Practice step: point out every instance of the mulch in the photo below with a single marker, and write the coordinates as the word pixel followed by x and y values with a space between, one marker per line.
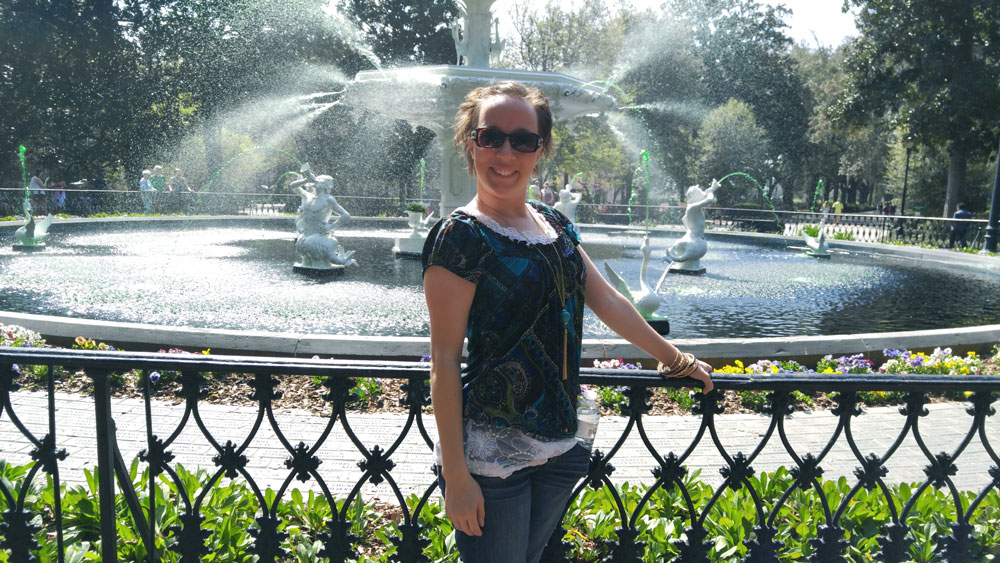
pixel 300 392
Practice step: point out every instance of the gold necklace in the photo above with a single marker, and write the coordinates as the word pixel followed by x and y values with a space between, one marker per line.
pixel 559 282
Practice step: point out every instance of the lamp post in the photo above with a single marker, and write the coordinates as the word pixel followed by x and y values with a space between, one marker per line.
pixel 990 242
pixel 910 143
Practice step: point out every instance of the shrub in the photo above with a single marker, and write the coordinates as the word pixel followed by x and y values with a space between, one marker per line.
pixel 811 230
pixel 613 397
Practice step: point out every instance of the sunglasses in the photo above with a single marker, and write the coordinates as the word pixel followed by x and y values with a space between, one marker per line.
pixel 493 138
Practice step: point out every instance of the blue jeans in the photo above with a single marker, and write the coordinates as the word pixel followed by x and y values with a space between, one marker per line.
pixel 522 510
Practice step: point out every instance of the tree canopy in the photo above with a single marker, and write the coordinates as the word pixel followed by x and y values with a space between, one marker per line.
pixel 935 65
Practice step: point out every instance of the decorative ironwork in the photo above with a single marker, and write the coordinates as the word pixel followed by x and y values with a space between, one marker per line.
pixel 337 534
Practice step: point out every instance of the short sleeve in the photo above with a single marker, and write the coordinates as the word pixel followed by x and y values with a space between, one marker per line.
pixel 567 225
pixel 455 245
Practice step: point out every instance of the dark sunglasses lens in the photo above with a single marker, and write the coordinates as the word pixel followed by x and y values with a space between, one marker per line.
pixel 523 141
pixel 490 137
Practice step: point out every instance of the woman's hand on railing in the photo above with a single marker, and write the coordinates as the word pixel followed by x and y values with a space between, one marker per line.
pixel 704 374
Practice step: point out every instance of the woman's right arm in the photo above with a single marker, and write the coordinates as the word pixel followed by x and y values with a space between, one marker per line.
pixel 449 299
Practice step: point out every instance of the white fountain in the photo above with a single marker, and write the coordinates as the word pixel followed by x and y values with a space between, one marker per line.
pixel 430 95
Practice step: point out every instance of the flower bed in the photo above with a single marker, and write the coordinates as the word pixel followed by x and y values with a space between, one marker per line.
pixel 381 395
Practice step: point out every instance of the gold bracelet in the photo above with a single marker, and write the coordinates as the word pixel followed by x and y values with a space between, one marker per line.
pixel 683 368
pixel 679 360
pixel 688 370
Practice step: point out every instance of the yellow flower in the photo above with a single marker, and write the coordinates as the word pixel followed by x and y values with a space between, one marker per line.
pixel 80 341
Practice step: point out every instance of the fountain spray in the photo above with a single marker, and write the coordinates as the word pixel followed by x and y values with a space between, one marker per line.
pixel 819 190
pixel 24 169
pixel 644 158
pixel 423 170
pixel 24 179
pixel 767 198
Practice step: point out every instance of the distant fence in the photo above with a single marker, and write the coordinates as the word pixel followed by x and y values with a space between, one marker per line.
pixel 863 227
pixel 115 202
pixel 887 229
pixel 21 529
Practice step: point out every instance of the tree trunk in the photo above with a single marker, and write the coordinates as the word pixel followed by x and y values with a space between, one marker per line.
pixel 957 164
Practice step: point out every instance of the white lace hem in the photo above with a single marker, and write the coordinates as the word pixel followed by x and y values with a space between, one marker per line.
pixel 492 452
pixel 548 237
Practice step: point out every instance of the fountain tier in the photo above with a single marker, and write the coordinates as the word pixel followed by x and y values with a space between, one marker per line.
pixel 429 96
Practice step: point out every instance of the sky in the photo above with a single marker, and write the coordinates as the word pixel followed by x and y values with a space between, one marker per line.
pixel 810 19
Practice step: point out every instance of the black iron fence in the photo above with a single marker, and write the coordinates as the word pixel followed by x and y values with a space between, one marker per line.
pixel 188 535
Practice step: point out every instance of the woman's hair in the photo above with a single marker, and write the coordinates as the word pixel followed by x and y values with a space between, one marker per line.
pixel 147 173
pixel 467 117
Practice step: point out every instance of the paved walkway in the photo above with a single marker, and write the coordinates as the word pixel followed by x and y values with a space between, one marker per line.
pixel 945 426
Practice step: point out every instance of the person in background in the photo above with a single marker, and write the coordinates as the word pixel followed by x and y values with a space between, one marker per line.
pixel 959 228
pixel 39 203
pixel 58 195
pixel 838 208
pixel 146 191
pixel 158 180
pixel 178 187
pixel 548 196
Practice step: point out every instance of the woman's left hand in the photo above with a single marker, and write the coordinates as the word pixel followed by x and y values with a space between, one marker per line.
pixel 704 374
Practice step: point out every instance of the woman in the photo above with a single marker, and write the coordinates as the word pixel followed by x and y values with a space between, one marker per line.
pixel 513 275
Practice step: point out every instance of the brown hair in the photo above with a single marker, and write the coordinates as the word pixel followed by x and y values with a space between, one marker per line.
pixel 467 117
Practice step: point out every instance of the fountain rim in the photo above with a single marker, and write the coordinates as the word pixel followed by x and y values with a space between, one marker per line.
pixel 139 336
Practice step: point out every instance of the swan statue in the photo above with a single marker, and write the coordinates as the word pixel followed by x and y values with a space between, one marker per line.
pixel 818 245
pixel 646 301
pixel 32 234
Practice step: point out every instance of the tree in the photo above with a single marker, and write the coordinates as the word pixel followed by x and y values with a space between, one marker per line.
pixel 66 75
pixel 406 32
pixel 662 74
pixel 935 64
pixel 731 141
pixel 745 54
pixel 584 41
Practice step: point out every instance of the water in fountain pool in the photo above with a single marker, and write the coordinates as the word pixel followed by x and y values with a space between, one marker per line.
pixel 241 278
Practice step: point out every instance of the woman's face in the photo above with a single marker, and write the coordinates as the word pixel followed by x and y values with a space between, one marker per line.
pixel 504 172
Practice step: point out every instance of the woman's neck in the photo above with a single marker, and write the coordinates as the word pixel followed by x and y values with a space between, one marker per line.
pixel 502 209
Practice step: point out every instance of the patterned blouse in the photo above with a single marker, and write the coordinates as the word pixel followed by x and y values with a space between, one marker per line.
pixel 514 373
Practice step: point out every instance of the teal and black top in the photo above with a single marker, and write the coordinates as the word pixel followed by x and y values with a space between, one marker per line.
pixel 514 372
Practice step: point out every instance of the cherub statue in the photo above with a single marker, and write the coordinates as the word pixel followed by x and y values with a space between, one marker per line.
pixel 568 200
pixel 316 246
pixel 685 254
pixel 461 40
